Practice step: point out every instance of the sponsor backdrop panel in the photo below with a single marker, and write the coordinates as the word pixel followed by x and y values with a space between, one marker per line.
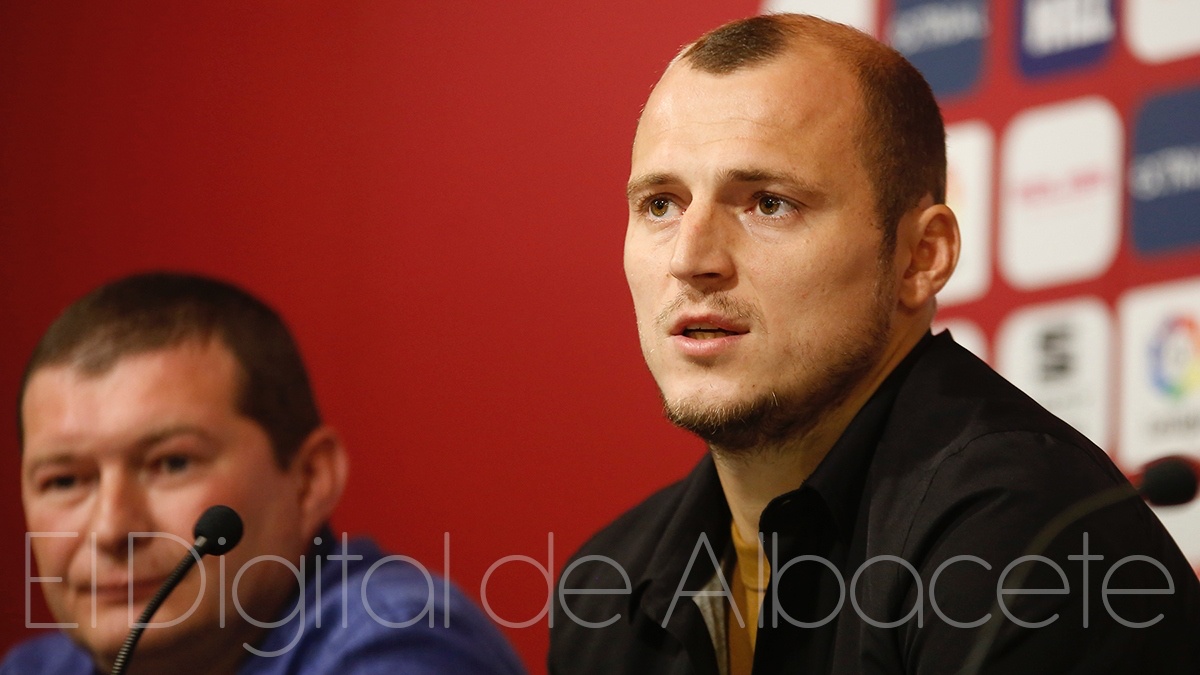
pixel 433 194
pixel 1092 303
pixel 1073 138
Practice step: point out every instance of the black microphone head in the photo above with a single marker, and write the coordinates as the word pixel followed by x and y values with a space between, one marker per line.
pixel 221 528
pixel 1169 481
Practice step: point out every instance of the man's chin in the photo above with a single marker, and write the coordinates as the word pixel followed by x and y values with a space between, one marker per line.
pixel 729 425
pixel 112 627
pixel 102 642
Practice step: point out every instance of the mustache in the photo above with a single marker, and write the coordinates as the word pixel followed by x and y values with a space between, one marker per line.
pixel 716 303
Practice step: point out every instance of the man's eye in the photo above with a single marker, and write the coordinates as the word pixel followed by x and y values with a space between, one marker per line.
pixel 60 482
pixel 659 206
pixel 173 463
pixel 770 205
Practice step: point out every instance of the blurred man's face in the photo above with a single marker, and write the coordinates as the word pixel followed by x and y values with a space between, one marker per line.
pixel 753 252
pixel 146 447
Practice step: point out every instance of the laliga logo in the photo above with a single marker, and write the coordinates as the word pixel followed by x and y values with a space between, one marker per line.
pixel 1175 357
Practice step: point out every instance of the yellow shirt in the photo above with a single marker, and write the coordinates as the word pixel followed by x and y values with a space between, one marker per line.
pixel 750 577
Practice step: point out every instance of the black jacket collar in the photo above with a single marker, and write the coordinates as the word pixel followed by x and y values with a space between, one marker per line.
pixel 832 494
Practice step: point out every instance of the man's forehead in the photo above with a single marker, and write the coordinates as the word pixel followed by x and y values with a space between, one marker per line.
pixel 805 78
pixel 191 364
pixel 144 397
pixel 92 361
pixel 793 115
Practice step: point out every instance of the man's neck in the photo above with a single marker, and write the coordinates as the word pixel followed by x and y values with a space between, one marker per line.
pixel 751 478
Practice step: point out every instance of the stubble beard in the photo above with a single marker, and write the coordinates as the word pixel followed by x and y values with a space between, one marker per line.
pixel 790 411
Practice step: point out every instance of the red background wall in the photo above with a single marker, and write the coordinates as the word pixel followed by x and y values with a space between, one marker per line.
pixel 432 195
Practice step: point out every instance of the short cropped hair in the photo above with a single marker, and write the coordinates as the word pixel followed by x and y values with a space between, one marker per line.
pixel 160 310
pixel 902 137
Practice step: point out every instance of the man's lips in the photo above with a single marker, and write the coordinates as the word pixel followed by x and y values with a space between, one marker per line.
pixel 119 589
pixel 707 327
pixel 706 336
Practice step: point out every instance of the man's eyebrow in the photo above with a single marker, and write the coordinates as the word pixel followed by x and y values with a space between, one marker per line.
pixel 57 459
pixel 752 176
pixel 166 433
pixel 651 180
pixel 646 181
pixel 764 176
pixel 142 444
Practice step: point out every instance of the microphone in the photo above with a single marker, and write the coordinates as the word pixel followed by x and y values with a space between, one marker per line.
pixel 1169 481
pixel 217 531
pixel 1166 481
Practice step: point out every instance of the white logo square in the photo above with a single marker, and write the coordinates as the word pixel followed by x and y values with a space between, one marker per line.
pixel 1162 30
pixel 1160 370
pixel 1060 196
pixel 1061 355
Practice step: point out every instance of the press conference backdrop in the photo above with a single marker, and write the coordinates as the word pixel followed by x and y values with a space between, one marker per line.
pixel 1073 135
pixel 432 193
pixel 1073 141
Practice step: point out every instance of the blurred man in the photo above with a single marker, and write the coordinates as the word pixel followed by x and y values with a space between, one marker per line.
pixel 155 397
pixel 868 484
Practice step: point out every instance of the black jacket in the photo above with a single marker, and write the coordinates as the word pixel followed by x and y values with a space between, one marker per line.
pixel 888 556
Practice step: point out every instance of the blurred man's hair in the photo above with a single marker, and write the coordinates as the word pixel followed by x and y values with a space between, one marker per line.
pixel 161 310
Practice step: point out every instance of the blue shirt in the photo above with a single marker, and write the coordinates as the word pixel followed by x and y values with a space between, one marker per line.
pixel 376 633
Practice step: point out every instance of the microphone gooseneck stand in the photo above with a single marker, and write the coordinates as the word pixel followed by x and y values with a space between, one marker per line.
pixel 217 531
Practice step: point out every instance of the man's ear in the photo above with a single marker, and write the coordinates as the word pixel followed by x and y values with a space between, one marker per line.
pixel 321 467
pixel 930 242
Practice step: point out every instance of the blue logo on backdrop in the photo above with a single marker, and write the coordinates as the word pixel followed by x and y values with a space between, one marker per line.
pixel 944 40
pixel 1164 175
pixel 1054 35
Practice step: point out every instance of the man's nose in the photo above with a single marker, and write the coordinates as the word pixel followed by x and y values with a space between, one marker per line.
pixel 702 255
pixel 120 508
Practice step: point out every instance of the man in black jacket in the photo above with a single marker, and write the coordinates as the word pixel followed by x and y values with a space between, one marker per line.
pixel 873 493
